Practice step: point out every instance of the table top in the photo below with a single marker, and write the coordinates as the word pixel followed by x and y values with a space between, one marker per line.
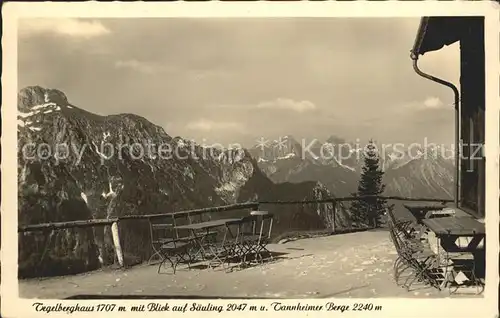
pixel 208 224
pixel 424 206
pixel 462 226
pixel 259 213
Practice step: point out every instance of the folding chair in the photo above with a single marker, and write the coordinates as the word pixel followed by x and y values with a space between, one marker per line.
pixel 167 244
pixel 206 237
pixel 463 273
pixel 245 240
pixel 264 233
pixel 413 255
pixel 158 229
pixel 228 248
pixel 404 227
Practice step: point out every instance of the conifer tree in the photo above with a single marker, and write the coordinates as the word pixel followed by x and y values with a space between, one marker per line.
pixel 370 211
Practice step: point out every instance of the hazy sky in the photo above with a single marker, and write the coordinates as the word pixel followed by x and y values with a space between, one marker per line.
pixel 235 80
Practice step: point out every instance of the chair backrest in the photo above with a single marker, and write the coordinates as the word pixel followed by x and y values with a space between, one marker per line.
pixel 236 237
pixel 264 222
pixel 394 237
pixel 263 226
pixel 399 226
pixel 270 219
pixel 246 226
pixel 161 229
pixel 395 241
pixel 198 217
pixel 391 215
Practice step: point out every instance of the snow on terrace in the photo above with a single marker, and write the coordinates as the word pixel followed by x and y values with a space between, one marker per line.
pixel 345 265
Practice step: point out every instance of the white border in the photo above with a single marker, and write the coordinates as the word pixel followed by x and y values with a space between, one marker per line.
pixel 13 306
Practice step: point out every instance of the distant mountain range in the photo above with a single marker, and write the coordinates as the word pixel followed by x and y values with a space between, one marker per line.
pixel 416 172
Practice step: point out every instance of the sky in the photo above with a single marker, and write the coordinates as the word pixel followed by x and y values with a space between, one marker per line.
pixel 235 80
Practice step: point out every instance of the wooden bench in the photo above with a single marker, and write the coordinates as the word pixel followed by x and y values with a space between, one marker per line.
pixel 462 258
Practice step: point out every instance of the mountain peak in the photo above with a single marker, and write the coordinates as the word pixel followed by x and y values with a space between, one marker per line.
pixel 335 140
pixel 36 95
pixel 289 137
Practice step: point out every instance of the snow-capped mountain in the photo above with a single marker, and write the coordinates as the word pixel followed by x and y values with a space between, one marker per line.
pixel 414 172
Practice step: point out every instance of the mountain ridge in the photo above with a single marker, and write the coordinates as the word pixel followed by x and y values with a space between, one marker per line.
pixel 427 174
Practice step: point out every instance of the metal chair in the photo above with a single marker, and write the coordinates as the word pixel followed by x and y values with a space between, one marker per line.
pixel 408 228
pixel 207 237
pixel 167 244
pixel 246 239
pixel 412 254
pixel 158 228
pixel 264 233
pixel 228 248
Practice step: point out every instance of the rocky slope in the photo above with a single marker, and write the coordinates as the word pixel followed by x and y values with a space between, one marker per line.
pixel 430 177
pixel 75 165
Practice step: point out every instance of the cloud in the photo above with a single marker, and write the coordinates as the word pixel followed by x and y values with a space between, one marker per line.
pixel 428 104
pixel 209 125
pixel 148 67
pixel 288 104
pixel 75 28
pixel 433 102
pixel 138 66
pixel 189 57
pixel 206 74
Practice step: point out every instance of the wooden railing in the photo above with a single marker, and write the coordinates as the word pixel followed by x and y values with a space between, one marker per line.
pixel 114 221
pixel 353 198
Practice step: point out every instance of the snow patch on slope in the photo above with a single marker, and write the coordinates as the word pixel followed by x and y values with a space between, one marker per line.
pixel 44 109
pixel 235 178
pixel 84 197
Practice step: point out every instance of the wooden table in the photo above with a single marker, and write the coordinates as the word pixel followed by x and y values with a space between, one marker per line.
pixel 207 225
pixel 422 210
pixel 448 230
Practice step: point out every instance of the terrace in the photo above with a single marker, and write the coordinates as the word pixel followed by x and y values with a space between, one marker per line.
pixel 356 262
pixel 344 265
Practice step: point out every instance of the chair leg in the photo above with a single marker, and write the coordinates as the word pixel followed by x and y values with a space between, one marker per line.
pixel 164 259
pixel 186 257
pixel 246 253
pixel 174 267
pixel 411 278
pixel 401 265
pixel 266 251
pixel 159 266
pixel 473 280
pixel 179 256
pixel 259 258
pixel 242 255
pixel 397 262
pixel 403 268
pixel 424 268
pixel 419 272
pixel 152 256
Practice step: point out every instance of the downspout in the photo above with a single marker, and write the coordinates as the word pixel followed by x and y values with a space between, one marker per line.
pixel 414 57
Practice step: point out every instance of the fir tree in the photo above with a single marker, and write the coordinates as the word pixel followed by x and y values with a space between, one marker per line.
pixel 370 211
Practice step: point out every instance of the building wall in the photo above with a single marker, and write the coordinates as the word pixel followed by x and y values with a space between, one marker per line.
pixel 472 86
